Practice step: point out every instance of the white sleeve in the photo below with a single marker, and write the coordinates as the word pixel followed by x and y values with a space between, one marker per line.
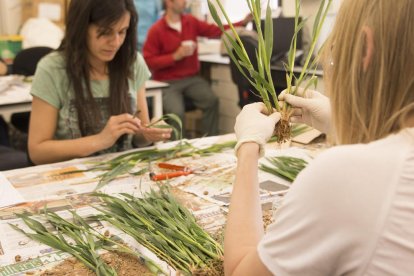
pixel 315 228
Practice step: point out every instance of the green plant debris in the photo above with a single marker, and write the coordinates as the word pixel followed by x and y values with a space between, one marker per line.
pixel 125 163
pixel 79 239
pixel 284 166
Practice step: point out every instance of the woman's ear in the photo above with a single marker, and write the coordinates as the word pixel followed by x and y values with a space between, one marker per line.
pixel 369 47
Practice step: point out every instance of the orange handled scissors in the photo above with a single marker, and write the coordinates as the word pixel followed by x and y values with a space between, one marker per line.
pixel 178 171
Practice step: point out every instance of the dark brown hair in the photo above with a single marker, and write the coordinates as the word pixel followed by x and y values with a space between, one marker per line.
pixel 74 48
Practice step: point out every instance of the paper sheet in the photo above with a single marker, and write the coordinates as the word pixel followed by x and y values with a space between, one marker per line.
pixel 307 137
pixel 8 194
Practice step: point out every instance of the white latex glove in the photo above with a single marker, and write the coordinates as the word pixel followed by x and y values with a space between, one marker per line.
pixel 311 108
pixel 253 125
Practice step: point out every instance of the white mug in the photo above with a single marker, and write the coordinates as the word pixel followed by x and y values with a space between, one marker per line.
pixel 189 43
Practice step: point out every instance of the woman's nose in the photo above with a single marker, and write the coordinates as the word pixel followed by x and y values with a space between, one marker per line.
pixel 116 40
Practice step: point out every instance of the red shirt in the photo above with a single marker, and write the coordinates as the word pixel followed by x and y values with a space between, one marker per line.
pixel 162 41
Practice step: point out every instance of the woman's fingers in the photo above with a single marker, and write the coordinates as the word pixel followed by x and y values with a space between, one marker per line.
pixel 296 119
pixel 129 125
pixel 297 112
pixel 157 134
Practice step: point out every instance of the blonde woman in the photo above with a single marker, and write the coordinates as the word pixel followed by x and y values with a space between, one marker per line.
pixel 351 211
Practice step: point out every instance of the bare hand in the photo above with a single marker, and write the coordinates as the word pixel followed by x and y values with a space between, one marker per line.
pixel 117 126
pixel 155 134
pixel 3 68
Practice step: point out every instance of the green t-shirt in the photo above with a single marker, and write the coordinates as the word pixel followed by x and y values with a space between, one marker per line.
pixel 51 84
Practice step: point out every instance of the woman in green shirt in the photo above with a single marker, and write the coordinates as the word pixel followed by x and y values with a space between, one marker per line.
pixel 85 93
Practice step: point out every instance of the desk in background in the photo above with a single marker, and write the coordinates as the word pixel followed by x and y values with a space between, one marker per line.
pixel 15 96
pixel 154 91
pixel 225 60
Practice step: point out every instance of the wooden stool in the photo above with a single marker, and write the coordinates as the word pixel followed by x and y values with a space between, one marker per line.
pixel 191 122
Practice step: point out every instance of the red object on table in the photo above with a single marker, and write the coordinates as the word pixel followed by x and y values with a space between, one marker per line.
pixel 178 171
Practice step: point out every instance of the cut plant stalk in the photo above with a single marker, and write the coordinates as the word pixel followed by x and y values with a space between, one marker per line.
pixel 298 129
pixel 261 79
pixel 284 166
pixel 165 227
pixel 80 240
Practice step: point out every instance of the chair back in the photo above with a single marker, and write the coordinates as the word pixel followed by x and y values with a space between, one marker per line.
pixel 26 60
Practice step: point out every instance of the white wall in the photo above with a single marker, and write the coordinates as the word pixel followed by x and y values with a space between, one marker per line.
pixel 308 10
pixel 236 9
pixel 10 16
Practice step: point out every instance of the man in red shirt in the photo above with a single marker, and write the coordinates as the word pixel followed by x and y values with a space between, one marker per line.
pixel 171 54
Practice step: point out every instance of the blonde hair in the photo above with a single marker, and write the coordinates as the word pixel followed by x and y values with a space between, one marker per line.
pixel 370 104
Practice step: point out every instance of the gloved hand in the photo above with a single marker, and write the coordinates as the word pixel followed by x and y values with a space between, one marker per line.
pixel 310 107
pixel 253 125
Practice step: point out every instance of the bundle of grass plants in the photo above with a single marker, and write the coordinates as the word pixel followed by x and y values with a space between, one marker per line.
pixel 78 239
pixel 161 224
pixel 284 166
pixel 261 78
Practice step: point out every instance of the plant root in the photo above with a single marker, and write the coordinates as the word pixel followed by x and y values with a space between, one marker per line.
pixel 214 268
pixel 283 130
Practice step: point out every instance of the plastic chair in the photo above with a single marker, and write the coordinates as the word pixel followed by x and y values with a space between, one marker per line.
pixel 10 158
pixel 26 60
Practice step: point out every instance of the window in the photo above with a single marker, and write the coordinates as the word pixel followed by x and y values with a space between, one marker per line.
pixel 236 9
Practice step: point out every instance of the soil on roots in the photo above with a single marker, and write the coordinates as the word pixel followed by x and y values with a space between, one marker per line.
pixel 283 129
pixel 214 268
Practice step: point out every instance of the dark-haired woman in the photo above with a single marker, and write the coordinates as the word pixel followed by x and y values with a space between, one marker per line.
pixel 85 93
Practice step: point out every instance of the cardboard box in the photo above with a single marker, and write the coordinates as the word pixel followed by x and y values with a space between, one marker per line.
pixel 55 10
pixel 10 45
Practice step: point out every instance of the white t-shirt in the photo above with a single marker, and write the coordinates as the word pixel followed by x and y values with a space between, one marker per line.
pixel 350 212
pixel 175 25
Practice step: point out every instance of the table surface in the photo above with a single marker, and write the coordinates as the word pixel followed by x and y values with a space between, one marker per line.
pixel 205 194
